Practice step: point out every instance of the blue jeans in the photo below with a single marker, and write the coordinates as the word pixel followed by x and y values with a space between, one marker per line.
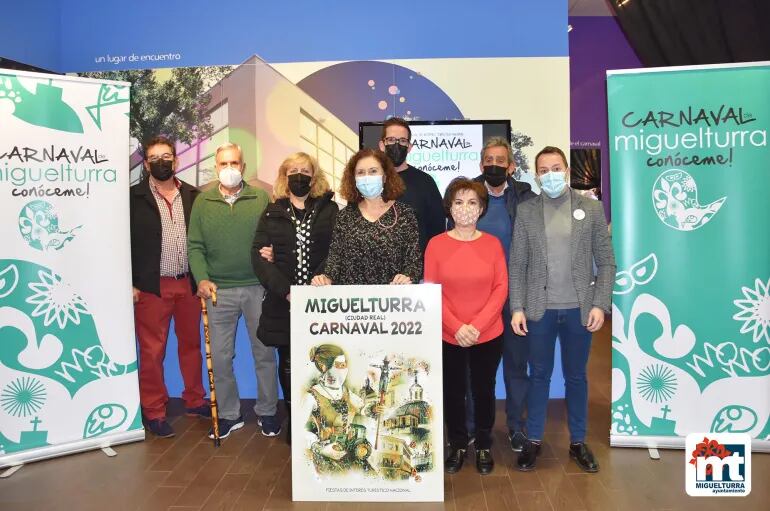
pixel 575 347
pixel 515 376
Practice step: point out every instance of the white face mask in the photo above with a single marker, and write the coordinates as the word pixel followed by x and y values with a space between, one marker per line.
pixel 230 177
pixel 335 377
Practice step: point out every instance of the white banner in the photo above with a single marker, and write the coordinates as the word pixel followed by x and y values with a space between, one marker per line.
pixel 68 372
pixel 367 414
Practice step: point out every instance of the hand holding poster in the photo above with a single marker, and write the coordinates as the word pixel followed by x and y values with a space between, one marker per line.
pixel 367 418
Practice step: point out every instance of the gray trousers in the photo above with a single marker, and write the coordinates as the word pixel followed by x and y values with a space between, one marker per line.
pixel 223 322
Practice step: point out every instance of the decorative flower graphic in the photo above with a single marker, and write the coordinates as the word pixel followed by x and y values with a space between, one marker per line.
pixel 55 300
pixel 23 397
pixel 39 226
pixel 656 383
pixel 708 448
pixel 755 310
pixel 675 198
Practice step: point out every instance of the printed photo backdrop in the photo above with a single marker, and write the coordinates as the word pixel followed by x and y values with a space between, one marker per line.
pixel 275 95
pixel 273 110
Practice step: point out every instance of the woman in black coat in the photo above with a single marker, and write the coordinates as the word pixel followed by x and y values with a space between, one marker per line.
pixel 298 226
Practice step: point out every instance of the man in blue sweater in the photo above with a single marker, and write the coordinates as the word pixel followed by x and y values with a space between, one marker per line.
pixel 505 194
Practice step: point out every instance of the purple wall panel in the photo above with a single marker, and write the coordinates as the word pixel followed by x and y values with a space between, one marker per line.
pixel 596 44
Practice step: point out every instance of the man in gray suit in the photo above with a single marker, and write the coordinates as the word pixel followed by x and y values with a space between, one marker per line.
pixel 557 239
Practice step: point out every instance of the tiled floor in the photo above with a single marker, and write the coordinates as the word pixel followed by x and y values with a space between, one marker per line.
pixel 252 472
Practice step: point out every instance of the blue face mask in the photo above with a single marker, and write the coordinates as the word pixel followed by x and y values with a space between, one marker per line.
pixel 369 186
pixel 553 183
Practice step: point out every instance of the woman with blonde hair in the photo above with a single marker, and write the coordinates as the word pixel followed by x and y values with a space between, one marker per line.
pixel 298 226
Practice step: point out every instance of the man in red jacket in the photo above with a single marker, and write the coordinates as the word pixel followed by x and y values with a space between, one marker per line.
pixel 163 287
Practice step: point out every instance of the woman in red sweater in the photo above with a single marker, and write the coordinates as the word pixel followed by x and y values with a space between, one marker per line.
pixel 471 268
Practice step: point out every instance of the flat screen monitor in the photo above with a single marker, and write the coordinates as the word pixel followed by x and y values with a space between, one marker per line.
pixel 443 149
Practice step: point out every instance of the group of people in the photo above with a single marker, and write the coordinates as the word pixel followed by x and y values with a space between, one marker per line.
pixel 516 269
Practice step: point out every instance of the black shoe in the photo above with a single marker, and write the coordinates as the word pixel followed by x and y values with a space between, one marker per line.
pixel 528 456
pixel 199 411
pixel 583 457
pixel 160 428
pixel 517 440
pixel 270 424
pixel 484 462
pixel 226 426
pixel 454 461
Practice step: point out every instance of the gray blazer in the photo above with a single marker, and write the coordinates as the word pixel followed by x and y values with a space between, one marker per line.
pixel 590 240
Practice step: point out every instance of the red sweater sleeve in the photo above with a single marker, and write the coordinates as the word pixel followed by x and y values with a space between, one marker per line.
pixel 491 311
pixel 448 318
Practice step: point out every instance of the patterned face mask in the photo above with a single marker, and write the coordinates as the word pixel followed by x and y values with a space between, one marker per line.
pixel 465 215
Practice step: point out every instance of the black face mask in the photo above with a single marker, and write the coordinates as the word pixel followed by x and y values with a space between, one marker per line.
pixel 162 170
pixel 397 153
pixel 299 184
pixel 495 175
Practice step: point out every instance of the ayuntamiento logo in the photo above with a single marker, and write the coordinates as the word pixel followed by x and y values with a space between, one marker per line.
pixel 718 464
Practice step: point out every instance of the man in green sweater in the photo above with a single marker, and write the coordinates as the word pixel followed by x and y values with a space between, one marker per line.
pixel 222 226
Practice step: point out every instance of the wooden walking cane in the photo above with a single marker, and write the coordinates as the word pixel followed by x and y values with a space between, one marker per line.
pixel 210 367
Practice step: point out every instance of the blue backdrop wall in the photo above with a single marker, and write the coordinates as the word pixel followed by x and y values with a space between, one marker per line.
pixel 31 33
pixel 90 35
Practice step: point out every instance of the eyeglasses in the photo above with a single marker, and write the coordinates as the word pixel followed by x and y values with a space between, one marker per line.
pixel 393 140
pixel 164 156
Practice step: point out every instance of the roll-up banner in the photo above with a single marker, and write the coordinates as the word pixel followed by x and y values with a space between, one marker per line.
pixel 68 372
pixel 690 170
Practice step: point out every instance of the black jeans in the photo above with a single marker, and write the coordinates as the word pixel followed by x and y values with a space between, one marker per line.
pixel 284 375
pixel 482 361
pixel 516 377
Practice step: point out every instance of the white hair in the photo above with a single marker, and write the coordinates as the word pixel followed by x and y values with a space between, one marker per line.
pixel 229 145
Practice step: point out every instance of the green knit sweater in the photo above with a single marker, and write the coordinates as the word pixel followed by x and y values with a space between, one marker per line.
pixel 220 235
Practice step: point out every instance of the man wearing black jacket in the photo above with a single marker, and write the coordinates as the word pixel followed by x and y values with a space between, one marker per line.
pixel 421 190
pixel 162 285
pixel 505 194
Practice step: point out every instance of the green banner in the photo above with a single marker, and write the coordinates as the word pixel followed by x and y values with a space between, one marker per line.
pixel 690 174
